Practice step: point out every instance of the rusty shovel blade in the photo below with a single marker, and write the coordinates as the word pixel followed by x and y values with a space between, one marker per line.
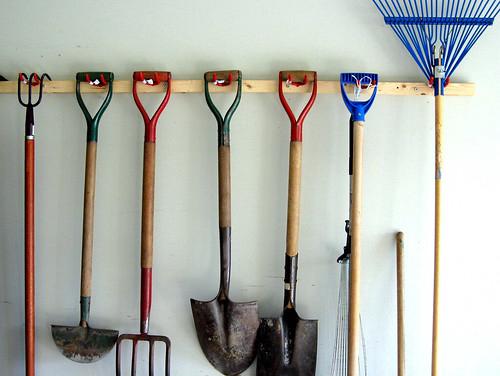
pixel 227 333
pixel 287 346
pixel 83 344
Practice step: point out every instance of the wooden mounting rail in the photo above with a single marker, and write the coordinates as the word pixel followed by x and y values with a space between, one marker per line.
pixel 249 86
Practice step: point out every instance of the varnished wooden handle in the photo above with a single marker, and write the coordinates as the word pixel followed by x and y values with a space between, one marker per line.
pixel 437 229
pixel 224 186
pixel 293 217
pixel 88 219
pixel 29 257
pixel 148 184
pixel 355 260
pixel 401 302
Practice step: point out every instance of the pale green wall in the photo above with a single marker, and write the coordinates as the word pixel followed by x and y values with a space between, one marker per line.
pixel 258 37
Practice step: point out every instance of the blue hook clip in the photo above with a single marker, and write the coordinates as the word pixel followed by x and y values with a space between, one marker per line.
pixel 358 109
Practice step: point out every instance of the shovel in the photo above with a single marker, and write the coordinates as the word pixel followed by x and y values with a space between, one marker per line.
pixel 226 330
pixel 82 343
pixel 148 185
pixel 287 345
pixel 29 214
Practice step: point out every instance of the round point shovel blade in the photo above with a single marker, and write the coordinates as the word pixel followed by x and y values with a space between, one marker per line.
pixel 287 346
pixel 227 333
pixel 83 345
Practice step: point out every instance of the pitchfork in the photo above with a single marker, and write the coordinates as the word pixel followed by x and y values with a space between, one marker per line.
pixel 147 78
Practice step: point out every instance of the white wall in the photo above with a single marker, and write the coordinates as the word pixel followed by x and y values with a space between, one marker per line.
pixel 260 38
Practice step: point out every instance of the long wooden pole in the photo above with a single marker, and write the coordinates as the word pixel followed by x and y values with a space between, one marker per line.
pixel 401 302
pixel 437 230
pixel 355 260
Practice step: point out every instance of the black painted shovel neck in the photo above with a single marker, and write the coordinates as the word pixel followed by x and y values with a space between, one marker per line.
pixel 225 262
pixel 291 266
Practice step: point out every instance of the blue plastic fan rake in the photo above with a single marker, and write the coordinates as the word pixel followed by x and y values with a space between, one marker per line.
pixel 438 34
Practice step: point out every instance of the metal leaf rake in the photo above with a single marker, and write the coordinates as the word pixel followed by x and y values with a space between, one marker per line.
pixel 438 34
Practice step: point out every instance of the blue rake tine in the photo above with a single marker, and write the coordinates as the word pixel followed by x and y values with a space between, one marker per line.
pixel 358 109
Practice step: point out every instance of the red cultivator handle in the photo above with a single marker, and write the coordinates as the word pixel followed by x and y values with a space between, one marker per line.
pixel 147 78
pixel 29 213
pixel 297 79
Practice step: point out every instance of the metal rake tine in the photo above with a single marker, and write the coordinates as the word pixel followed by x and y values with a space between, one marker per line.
pixel 134 358
pixel 151 357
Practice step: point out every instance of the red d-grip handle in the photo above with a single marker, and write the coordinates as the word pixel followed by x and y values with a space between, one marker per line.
pixel 297 79
pixel 157 78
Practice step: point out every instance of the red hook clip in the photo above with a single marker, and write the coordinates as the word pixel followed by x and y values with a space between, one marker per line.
pixel 34 82
pixel 227 82
pixel 289 81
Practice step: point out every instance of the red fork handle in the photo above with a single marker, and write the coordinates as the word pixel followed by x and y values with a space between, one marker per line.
pixel 29 260
pixel 291 78
pixel 157 77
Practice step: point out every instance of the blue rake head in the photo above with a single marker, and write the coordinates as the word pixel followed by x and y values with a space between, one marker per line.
pixel 438 33
pixel 362 81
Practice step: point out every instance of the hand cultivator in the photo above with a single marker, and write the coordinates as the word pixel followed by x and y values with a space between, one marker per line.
pixel 29 213
pixel 438 34
pixel 288 344
pixel 82 343
pixel 147 78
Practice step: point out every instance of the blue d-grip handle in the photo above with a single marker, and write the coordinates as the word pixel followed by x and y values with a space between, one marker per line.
pixel 358 109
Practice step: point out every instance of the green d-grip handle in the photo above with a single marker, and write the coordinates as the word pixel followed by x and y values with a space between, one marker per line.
pixel 98 80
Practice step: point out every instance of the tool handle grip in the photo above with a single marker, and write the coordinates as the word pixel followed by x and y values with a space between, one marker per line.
pixel 401 303
pixel 224 186
pixel 88 219
pixel 293 216
pixel 157 77
pixel 29 261
pixel 297 78
pixel 93 122
pixel 148 183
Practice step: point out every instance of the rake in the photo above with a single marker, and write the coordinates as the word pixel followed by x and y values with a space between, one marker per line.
pixel 438 34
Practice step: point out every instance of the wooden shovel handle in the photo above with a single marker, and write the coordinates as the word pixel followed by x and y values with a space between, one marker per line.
pixel 355 261
pixel 293 216
pixel 88 219
pixel 29 257
pixel 148 183
pixel 224 186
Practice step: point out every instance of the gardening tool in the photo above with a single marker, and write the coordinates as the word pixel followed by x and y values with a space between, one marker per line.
pixel 358 109
pixel 148 182
pixel 82 343
pixel 339 364
pixel 227 331
pixel 438 34
pixel 401 302
pixel 29 213
pixel 288 344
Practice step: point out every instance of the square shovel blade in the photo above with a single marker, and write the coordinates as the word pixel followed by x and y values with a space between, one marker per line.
pixel 287 346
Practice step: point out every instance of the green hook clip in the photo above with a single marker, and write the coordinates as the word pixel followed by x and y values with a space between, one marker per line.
pixel 223 78
pixel 96 79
